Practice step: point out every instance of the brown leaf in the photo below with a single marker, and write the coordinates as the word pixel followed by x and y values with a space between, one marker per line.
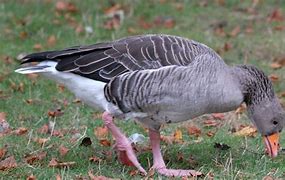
pixel 279 28
pixel 220 2
pixel 280 60
pixel 178 135
pixel 211 123
pixel 220 31
pixel 113 9
pixel 219 116
pixel 275 65
pixel 167 139
pixel 55 113
pixel 44 129
pixel 93 177
pixel 2 152
pixel 38 47
pixel 194 130
pixel 8 163
pixel 144 24
pixel 276 15
pixel 179 6
pixel 210 133
pixel 227 46
pixel 235 31
pixel 20 131
pixel 274 78
pixel 86 142
pixel 95 159
pixel 246 131
pixel 282 94
pixel 63 150
pixel 30 159
pixel 51 40
pixel 23 35
pixel 105 142
pixel 249 29
pixel 134 172
pixel 55 163
pixel 169 23
pixel 113 23
pixel 62 6
pixel 41 141
pixel 31 177
pixel 101 132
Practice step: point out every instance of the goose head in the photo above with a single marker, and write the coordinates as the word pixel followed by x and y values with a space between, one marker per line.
pixel 264 109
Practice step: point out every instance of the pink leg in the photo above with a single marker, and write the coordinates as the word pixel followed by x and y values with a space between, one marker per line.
pixel 123 145
pixel 158 162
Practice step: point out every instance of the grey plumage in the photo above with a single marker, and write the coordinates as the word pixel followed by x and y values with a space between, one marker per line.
pixel 169 79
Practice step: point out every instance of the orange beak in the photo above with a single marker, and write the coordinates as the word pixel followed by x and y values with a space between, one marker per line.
pixel 272 144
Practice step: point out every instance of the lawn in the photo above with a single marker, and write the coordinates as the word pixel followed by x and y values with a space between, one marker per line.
pixel 47 122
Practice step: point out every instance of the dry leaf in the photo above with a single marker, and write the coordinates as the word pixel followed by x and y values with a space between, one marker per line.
pixel 267 178
pixel 51 40
pixel 95 159
pixel 38 47
pixel 143 24
pixel 210 133
pixel 247 131
pixel 55 113
pixel 2 152
pixel 93 177
pixel 112 10
pixel 194 130
pixel 105 142
pixel 8 163
pixel 275 65
pixel 20 131
pixel 211 123
pixel 276 15
pixel 62 6
pixel 63 150
pixel 31 177
pixel 44 129
pixel 101 132
pixel 220 31
pixel 219 116
pixel 227 46
pixel 30 159
pixel 178 135
pixel 55 163
pixel 41 141
pixel 274 78
pixel 279 28
pixel 167 139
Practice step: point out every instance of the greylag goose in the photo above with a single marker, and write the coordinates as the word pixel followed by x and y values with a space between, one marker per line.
pixel 160 79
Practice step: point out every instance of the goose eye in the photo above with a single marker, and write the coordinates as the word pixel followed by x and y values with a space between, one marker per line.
pixel 275 122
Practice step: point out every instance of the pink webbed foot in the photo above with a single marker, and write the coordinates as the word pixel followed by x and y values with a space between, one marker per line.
pixel 176 172
pixel 159 164
pixel 123 145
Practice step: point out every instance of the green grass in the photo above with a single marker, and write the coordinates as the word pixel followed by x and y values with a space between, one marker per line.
pixel 244 160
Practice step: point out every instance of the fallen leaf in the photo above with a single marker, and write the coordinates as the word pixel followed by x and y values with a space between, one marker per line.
pixel 210 133
pixel 246 131
pixel 274 78
pixel 211 123
pixel 44 129
pixel 280 60
pixel 276 15
pixel 220 31
pixel 30 159
pixel 55 163
pixel 219 116
pixel 51 41
pixel 8 163
pixel 31 177
pixel 41 141
pixel 221 146
pixel 279 28
pixel 235 31
pixel 249 29
pixel 105 142
pixel 275 65
pixel 38 47
pixel 169 23
pixel 178 135
pixel 194 130
pixel 55 113
pixel 2 152
pixel 101 132
pixel 227 46
pixel 62 6
pixel 20 131
pixel 167 139
pixel 95 159
pixel 86 142
pixel 179 6
pixel 144 24
pixel 93 177
pixel 63 150
pixel 23 35
pixel 134 172
pixel 220 2
pixel 113 9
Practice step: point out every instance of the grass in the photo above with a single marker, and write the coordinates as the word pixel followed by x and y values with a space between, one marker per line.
pixel 28 22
